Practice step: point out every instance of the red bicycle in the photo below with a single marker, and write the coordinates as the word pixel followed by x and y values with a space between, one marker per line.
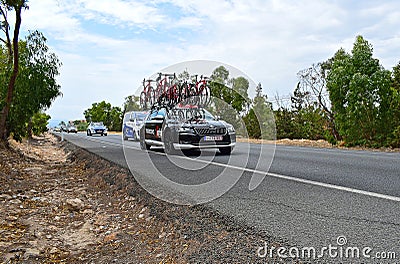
pixel 171 91
pixel 147 95
pixel 200 91
pixel 167 89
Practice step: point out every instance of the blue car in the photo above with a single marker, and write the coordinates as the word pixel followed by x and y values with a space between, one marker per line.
pixel 132 123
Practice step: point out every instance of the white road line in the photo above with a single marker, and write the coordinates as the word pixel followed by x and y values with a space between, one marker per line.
pixel 342 152
pixel 275 175
pixel 304 181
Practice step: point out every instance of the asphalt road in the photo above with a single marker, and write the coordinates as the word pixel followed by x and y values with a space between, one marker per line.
pixel 309 197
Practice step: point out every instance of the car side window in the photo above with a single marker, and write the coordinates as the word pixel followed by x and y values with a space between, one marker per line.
pixel 126 117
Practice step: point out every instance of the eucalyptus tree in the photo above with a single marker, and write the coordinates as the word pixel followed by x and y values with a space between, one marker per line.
pixel 11 46
pixel 36 86
pixel 359 90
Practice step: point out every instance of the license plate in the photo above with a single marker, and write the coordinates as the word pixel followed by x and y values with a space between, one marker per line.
pixel 212 138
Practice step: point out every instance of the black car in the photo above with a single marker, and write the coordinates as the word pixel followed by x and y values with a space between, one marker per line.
pixel 185 129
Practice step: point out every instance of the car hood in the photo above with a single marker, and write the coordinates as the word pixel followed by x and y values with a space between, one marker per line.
pixel 98 127
pixel 203 122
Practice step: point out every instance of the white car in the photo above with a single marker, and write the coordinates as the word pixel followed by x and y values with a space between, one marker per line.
pixel 96 128
pixel 132 123
pixel 72 129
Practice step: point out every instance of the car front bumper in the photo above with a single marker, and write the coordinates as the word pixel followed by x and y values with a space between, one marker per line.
pixel 98 131
pixel 203 146
pixel 195 141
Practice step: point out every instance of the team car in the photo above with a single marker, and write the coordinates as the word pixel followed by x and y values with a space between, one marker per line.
pixel 132 123
pixel 96 128
pixel 72 129
pixel 186 129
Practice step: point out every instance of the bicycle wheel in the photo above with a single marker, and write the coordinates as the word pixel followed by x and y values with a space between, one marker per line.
pixel 185 93
pixel 181 115
pixel 150 96
pixel 204 95
pixel 142 100
pixel 170 97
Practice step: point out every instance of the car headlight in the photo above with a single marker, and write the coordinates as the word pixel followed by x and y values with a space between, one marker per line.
pixel 231 129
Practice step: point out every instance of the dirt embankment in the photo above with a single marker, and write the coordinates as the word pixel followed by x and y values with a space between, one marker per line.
pixel 59 203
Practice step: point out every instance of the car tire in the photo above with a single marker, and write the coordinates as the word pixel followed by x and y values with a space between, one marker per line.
pixel 226 150
pixel 88 133
pixel 143 145
pixel 105 134
pixel 191 152
pixel 124 136
pixel 168 143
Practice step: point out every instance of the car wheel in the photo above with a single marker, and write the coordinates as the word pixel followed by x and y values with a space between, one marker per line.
pixel 226 150
pixel 168 143
pixel 191 152
pixel 143 145
pixel 105 134
pixel 88 133
pixel 124 136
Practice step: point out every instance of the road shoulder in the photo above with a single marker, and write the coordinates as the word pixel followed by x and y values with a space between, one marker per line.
pixel 62 203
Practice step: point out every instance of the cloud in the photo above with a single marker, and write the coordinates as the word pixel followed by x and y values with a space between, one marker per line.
pixel 49 15
pixel 107 47
pixel 119 12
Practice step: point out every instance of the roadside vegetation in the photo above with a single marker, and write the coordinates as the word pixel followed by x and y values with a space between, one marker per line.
pixel 348 99
pixel 28 71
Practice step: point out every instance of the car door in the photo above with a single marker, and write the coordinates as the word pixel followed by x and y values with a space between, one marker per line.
pixel 154 124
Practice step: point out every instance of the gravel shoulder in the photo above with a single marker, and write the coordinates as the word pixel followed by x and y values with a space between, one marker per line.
pixel 59 203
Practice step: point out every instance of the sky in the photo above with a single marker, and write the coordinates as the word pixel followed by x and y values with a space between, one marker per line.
pixel 108 47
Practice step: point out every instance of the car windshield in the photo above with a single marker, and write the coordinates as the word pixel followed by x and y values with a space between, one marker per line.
pixel 199 114
pixel 98 124
pixel 191 114
pixel 140 117
pixel 208 115
pixel 161 112
pixel 127 116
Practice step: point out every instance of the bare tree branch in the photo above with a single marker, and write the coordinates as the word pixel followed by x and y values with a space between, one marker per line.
pixel 6 28
pixel 313 79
